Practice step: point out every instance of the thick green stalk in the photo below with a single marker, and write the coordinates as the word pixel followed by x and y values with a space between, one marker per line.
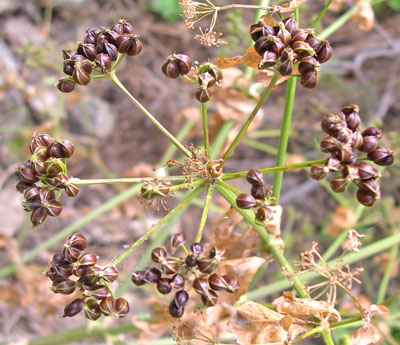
pixel 246 125
pixel 204 114
pixel 113 77
pixel 163 221
pixel 321 14
pixel 284 137
pixel 268 239
pixel 365 252
pixel 68 230
pixel 294 166
pixel 207 201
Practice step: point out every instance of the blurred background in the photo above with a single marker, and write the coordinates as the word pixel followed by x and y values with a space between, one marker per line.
pixel 113 139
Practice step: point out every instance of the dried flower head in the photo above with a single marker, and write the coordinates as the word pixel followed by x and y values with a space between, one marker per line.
pixel 353 242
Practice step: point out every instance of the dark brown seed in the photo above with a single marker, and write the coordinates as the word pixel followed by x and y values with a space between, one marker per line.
pixel 174 310
pixel 307 64
pixel 176 241
pixel 381 156
pixel 200 285
pixel 159 254
pixel 310 79
pixel 138 278
pixel 366 171
pixel 318 172
pixel 260 192
pixel 103 61
pixel 178 281
pixel 73 308
pixel 121 307
pixel 339 184
pixel 152 275
pixel 92 310
pixel 263 214
pixel 38 216
pixel 164 286
pixel 210 299
pixel 255 177
pixel 370 185
pixel 63 286
pixel 107 306
pixel 245 201
pixel 191 261
pixel 366 198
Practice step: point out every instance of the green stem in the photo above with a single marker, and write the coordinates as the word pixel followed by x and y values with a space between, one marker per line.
pixel 321 14
pixel 305 335
pixel 163 221
pixel 294 166
pixel 270 241
pixel 387 274
pixel 246 125
pixel 284 137
pixel 364 253
pixel 221 137
pixel 113 77
pixel 207 201
pixel 83 182
pixel 266 133
pixel 68 230
pixel 338 23
pixel 228 186
pixel 206 139
pixel 261 146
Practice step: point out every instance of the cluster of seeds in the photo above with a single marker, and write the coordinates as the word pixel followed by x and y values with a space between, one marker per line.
pixel 99 51
pixel 260 197
pixel 346 144
pixel 175 273
pixel 91 279
pixel 283 45
pixel 207 74
pixel 44 175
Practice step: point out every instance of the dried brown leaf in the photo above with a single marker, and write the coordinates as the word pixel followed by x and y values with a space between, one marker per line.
pixel 366 335
pixel 378 309
pixel 304 308
pixel 255 324
pixel 251 59
pixel 343 218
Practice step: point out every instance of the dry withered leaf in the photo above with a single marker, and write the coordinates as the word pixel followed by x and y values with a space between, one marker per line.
pixel 366 335
pixel 304 308
pixel 251 59
pixel 343 218
pixel 364 17
pixel 274 225
pixel 265 76
pixel 255 324
pixel 244 269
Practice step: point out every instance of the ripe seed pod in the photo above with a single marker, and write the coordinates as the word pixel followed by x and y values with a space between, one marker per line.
pixel 121 307
pixel 356 140
pixel 373 132
pixel 53 166
pixel 152 275
pixel 286 67
pixel 71 254
pixel 170 266
pixel 176 241
pixel 298 35
pixel 181 298
pixel 381 156
pixel 333 164
pixel 67 148
pixel 92 309
pixel 268 60
pixel 159 254
pixel 109 49
pixel 206 265
pixel 307 64
pixel 174 310
pixel 83 272
pixel 138 278
pixel 41 153
pixel 107 306
pixel 314 42
pixel 55 151
pixel 332 123
pixel 366 171
pixel 255 177
pixel 216 282
pixel 71 189
pixel 232 283
pixel 366 198
pixel 63 270
pixel 210 299
pixel 164 286
pixel 191 261
pixel 87 259
pixel 129 44
pixel 122 27
pixel 90 36
pixel 53 208
pixel 22 186
pixel 284 35
pixel 80 76
pixel 339 184
pixel 31 205
pixel 290 24
pixel 110 274
pixel 52 274
pixel 370 185
pixel 196 248
pixel 318 172
pixel 212 69
pixel 202 94
pixel 97 291
pixel 329 144
pixel 245 201
pixel 302 49
pixel 309 79
pixel 59 259
pixel 324 52
pixel 32 193
pixel 258 30
pixel 217 254
pixel 260 192
pixel 63 286
pixel 38 216
pixel 77 240
pixel 73 308
pixel 345 154
pixel 350 172
pixel 177 281
pixel 68 54
pixel 65 85
pixel 103 61
pixel 88 50
pixel 205 80
pixel 27 172
pixel 200 285
pixel 263 214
